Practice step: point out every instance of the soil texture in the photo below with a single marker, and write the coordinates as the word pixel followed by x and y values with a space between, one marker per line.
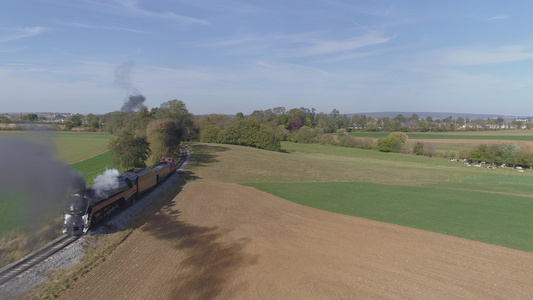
pixel 225 241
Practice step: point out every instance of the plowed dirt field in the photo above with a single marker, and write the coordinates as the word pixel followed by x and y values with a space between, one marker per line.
pixel 225 241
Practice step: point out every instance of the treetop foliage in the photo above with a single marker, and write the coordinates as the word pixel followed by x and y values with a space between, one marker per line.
pixel 129 151
pixel 249 132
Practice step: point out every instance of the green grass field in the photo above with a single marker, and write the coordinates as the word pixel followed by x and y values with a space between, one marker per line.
pixel 491 206
pixel 76 147
pixel 91 167
pixel 10 215
pixel 71 147
pixel 491 218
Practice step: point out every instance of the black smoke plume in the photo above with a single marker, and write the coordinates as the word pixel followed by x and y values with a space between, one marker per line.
pixel 29 169
pixel 134 100
pixel 134 103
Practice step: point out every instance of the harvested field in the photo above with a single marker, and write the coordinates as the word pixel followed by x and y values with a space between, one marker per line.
pixel 472 143
pixel 225 241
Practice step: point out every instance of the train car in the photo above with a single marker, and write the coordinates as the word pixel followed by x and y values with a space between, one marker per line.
pixel 90 206
pixel 164 168
pixel 171 161
pixel 144 178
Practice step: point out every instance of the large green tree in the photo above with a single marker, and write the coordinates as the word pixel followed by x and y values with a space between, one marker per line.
pixel 76 120
pixel 129 151
pixel 164 137
pixel 176 111
pixel 93 121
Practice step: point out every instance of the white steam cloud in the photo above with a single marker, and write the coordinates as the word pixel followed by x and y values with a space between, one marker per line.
pixel 105 182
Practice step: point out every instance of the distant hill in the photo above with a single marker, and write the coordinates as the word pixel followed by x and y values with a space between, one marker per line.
pixel 436 115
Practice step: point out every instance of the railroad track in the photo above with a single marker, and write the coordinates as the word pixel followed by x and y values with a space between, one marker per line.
pixel 20 267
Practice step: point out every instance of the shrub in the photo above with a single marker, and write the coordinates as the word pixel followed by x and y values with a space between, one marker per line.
pixel 327 139
pixel 367 143
pixel 281 133
pixel 306 134
pixel 418 149
pixel 464 154
pixel 524 159
pixel 430 149
pixel 393 142
pixel 482 153
pixel 348 141
pixel 507 153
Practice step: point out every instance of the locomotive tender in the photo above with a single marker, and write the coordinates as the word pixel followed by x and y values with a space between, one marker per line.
pixel 89 206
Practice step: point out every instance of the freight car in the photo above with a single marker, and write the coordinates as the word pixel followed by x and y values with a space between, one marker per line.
pixel 90 206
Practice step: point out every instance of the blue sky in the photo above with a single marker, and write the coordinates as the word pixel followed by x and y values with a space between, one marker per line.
pixel 233 56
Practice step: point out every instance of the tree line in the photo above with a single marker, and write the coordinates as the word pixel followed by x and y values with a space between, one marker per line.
pixel 145 136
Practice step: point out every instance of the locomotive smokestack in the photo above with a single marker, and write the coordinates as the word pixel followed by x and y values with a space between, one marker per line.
pixel 134 100
pixel 30 170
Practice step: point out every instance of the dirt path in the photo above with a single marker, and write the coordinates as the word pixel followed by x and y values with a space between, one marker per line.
pixel 225 241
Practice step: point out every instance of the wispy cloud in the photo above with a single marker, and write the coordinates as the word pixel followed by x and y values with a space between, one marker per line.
pixel 131 8
pixel 320 47
pixel 102 27
pixel 354 55
pixel 21 33
pixel 229 42
pixel 499 17
pixel 460 57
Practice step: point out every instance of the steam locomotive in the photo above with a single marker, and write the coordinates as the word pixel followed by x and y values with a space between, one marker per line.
pixel 90 206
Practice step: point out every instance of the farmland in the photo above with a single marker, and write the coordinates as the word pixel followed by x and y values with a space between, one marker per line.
pixel 70 147
pixel 426 193
pixel 432 194
pixel 453 142
pixel 388 187
pixel 504 135
pixel 218 239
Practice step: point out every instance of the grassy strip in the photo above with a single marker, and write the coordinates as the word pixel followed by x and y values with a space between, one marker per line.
pixel 420 136
pixel 504 136
pixel 491 218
